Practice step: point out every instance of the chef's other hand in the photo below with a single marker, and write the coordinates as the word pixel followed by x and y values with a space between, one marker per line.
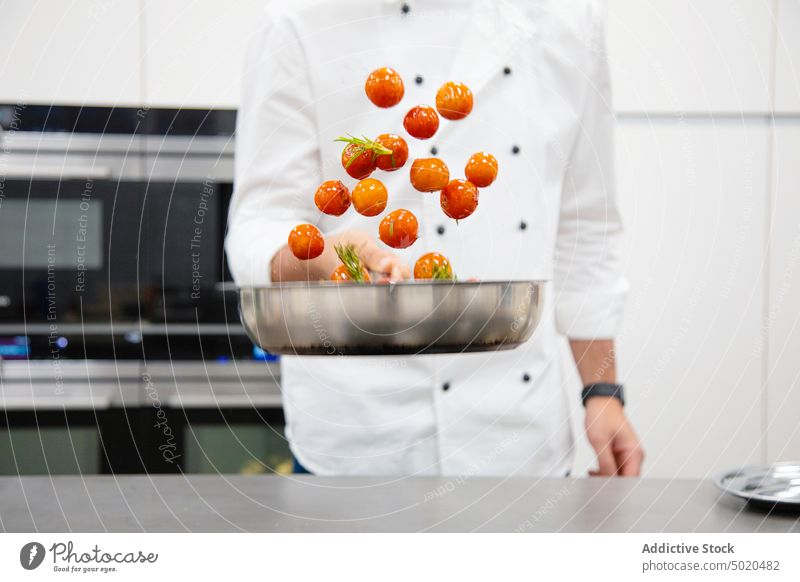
pixel 613 438
pixel 388 266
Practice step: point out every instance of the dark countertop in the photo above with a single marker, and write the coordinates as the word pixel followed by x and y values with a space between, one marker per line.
pixel 211 503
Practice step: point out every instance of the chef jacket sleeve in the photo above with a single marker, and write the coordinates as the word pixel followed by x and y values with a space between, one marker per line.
pixel 277 162
pixel 589 285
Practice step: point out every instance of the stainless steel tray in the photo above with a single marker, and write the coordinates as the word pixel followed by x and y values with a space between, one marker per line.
pixel 329 318
pixel 771 485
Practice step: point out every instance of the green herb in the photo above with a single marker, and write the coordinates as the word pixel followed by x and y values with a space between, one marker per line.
pixel 443 272
pixel 351 261
pixel 363 145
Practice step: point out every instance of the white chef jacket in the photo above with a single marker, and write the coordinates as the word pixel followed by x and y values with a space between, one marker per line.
pixel 542 107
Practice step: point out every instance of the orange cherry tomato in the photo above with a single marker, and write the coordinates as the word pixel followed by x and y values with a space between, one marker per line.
pixel 397 159
pixel 481 169
pixel 429 174
pixel 384 87
pixel 357 162
pixel 398 229
pixel 306 242
pixel 454 101
pixel 433 266
pixel 421 122
pixel 459 199
pixel 332 197
pixel 342 273
pixel 370 197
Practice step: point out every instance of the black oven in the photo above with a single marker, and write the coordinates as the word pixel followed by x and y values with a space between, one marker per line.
pixel 102 228
pixel 99 250
pixel 117 310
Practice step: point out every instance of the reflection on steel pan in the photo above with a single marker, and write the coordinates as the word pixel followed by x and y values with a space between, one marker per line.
pixel 329 318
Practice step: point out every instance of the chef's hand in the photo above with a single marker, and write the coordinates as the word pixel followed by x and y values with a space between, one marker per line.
pixel 388 266
pixel 613 438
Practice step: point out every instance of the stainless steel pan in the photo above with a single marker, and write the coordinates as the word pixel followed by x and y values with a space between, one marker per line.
pixel 329 318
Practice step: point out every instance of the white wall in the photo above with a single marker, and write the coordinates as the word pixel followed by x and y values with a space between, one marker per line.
pixel 710 189
pixel 709 184
pixel 194 50
pixel 77 52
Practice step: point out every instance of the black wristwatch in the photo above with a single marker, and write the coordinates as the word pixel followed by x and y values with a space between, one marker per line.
pixel 603 389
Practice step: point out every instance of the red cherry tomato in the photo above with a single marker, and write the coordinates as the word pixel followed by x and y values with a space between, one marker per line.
pixel 433 266
pixel 459 199
pixel 429 174
pixel 481 169
pixel 306 242
pixel 397 159
pixel 342 274
pixel 332 197
pixel 357 162
pixel 398 229
pixel 421 122
pixel 454 101
pixel 369 197
pixel 384 87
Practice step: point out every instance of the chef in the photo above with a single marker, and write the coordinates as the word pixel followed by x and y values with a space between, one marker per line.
pixel 539 77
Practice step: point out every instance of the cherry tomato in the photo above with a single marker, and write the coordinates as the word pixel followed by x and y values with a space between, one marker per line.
pixel 433 266
pixel 342 273
pixel 398 229
pixel 397 159
pixel 384 87
pixel 421 122
pixel 481 169
pixel 332 197
pixel 306 242
pixel 454 101
pixel 357 161
pixel 429 174
pixel 459 199
pixel 369 197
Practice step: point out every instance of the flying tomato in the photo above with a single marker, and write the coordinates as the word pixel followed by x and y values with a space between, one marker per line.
pixel 454 101
pixel 384 87
pixel 306 242
pixel 429 174
pixel 398 229
pixel 421 122
pixel 459 199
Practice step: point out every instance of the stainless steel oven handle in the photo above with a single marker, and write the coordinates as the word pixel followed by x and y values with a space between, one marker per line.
pixel 224 401
pixel 51 172
pixel 56 402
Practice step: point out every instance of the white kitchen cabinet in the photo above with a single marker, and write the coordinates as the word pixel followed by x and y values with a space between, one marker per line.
pixel 782 326
pixel 787 57
pixel 691 55
pixel 77 52
pixel 194 51
pixel 693 198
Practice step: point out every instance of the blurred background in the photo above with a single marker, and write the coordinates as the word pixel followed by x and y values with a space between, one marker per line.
pixel 139 97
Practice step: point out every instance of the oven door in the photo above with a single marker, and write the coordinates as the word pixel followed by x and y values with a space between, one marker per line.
pixel 104 251
pixel 70 250
pixel 185 269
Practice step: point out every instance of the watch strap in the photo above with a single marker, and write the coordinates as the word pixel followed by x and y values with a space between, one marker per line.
pixel 603 389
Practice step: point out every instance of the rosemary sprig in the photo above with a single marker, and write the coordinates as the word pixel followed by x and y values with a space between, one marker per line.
pixel 443 272
pixel 364 144
pixel 351 261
